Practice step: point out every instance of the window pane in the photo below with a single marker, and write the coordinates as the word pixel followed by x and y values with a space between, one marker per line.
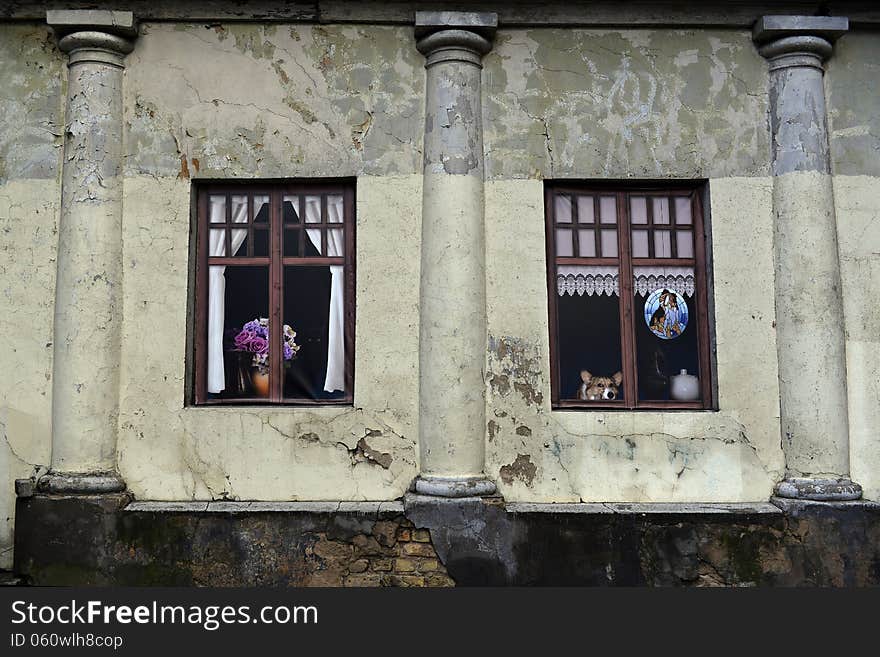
pixel 238 365
pixel 587 243
pixel 239 209
pixel 662 245
pixel 562 209
pixel 638 210
pixel 684 244
pixel 640 243
pixel 313 243
pixel 239 243
pixel 314 310
pixel 661 210
pixel 609 243
pixel 261 209
pixel 217 208
pixel 335 243
pixel 290 209
pixel 588 333
pixel 218 242
pixel 683 210
pixel 261 243
pixel 661 359
pixel 313 209
pixel 608 210
pixel 585 210
pixel 563 243
pixel 334 209
pixel 291 241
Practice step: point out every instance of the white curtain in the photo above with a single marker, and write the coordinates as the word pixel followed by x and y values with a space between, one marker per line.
pixel 335 379
pixel 217 282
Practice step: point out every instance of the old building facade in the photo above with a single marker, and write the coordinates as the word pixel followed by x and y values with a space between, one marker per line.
pixel 442 150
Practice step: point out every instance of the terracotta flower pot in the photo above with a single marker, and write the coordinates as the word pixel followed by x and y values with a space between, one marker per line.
pixel 260 382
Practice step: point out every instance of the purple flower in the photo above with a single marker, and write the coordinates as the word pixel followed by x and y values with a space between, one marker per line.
pixel 243 339
pixel 259 345
pixel 254 338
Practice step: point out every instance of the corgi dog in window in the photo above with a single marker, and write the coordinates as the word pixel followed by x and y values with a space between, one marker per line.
pixel 599 388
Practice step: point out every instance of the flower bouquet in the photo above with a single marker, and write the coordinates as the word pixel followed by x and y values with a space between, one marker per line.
pixel 254 338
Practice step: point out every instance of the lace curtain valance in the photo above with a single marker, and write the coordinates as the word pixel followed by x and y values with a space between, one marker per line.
pixel 580 280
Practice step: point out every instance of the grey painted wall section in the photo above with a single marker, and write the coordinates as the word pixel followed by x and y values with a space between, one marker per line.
pixel 853 99
pixel 263 101
pixel 620 104
pixel 31 120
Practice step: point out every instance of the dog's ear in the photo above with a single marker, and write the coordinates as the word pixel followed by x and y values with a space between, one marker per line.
pixel 617 378
pixel 586 377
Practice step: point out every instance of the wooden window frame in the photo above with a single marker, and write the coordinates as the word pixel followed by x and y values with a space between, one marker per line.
pixel 622 191
pixel 275 261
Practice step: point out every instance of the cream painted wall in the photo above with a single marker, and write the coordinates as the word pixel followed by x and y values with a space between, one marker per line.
pixel 246 101
pixel 31 125
pixel 168 451
pixel 857 200
pixel 854 128
pixel 536 454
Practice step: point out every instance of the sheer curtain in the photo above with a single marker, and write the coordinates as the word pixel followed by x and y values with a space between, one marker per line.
pixel 217 281
pixel 335 379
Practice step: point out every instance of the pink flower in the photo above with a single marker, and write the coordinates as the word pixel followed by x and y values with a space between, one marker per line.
pixel 243 339
pixel 259 345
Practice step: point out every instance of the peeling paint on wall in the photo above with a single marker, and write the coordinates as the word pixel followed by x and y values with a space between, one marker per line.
pixel 574 103
pixel 600 456
pixel 522 468
pixel 365 452
pixel 269 101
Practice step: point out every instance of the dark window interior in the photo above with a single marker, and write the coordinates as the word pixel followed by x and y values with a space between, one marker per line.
pixel 609 250
pixel 277 248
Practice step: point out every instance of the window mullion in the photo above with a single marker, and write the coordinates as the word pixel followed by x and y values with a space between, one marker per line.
pixel 625 289
pixel 276 296
pixel 201 345
pixel 701 275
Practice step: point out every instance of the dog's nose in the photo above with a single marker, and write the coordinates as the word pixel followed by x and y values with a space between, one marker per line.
pixel 609 394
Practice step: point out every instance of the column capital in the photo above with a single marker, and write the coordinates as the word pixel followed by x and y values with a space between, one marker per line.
pixel 94 35
pixel 787 41
pixel 454 35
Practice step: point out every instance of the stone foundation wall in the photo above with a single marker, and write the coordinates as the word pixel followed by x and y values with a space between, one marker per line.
pixel 98 541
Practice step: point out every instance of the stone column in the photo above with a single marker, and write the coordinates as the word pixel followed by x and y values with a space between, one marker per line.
pixel 452 332
pixel 809 308
pixel 88 291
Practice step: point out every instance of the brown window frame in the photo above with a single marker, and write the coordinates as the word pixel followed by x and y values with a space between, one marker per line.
pixel 624 260
pixel 276 262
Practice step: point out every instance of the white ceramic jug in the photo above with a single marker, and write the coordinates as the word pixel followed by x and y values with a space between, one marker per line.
pixel 685 387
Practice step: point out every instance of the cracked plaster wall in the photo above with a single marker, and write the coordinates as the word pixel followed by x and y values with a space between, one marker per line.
pixel 368 452
pixel 536 454
pixel 247 101
pixel 31 126
pixel 285 101
pixel 618 104
pixel 655 104
pixel 854 129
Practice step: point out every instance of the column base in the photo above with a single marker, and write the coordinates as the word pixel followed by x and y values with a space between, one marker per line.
pixel 78 483
pixel 823 490
pixel 454 486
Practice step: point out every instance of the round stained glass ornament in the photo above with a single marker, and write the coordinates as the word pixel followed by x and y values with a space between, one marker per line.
pixel 666 313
